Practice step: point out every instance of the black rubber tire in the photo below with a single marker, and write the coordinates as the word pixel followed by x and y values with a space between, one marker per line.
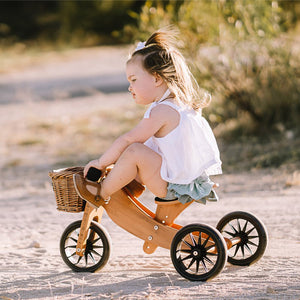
pixel 191 259
pixel 253 234
pixel 97 250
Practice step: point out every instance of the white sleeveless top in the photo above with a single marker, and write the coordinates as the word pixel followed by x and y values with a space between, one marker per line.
pixel 188 151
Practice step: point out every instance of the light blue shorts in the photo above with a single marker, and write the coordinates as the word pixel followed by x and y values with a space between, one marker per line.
pixel 199 190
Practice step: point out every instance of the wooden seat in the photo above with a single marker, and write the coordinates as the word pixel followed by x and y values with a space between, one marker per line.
pixel 168 210
pixel 160 201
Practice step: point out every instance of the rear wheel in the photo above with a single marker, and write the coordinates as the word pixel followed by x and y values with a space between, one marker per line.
pixel 198 252
pixel 252 233
pixel 97 250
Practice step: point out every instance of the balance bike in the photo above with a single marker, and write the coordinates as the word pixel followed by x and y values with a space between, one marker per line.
pixel 198 251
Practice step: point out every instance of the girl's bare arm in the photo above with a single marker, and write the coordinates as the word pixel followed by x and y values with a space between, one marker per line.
pixel 139 134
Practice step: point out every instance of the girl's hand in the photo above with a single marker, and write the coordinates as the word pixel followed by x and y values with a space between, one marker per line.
pixel 93 163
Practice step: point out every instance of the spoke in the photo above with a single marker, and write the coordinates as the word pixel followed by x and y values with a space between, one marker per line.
pixel 230 233
pixel 197 266
pixel 98 247
pixel 188 244
pixel 204 265
pixel 233 228
pixel 86 258
pixel 74 246
pixel 245 226
pixel 247 247
pixel 253 244
pixel 95 252
pixel 253 237
pixel 236 250
pixel 199 238
pixel 209 247
pixel 212 254
pixel 191 263
pixel 95 241
pixel 79 259
pixel 74 240
pixel 193 239
pixel 184 251
pixel 243 250
pixel 208 260
pixel 71 255
pixel 92 257
pixel 187 257
pixel 239 225
pixel 250 230
pixel 205 242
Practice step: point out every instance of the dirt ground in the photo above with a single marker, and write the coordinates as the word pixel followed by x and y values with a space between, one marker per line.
pixel 66 110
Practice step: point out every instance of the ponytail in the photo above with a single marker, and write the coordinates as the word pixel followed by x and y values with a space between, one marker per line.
pixel 162 57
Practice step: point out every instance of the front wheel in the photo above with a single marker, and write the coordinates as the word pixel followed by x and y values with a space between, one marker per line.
pixel 97 250
pixel 198 252
pixel 252 233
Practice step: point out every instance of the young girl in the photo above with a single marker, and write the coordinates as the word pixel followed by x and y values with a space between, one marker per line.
pixel 172 151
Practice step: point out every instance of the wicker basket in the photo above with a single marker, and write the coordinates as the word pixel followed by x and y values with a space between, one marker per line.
pixel 65 193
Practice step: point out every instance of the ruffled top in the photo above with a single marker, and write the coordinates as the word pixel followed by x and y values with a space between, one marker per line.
pixel 188 151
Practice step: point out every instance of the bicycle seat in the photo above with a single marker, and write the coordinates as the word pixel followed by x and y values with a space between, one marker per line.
pixel 160 201
pixel 157 199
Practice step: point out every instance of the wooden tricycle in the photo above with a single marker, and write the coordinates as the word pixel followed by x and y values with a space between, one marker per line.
pixel 198 251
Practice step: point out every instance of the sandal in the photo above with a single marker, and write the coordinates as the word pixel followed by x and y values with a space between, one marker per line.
pixel 81 188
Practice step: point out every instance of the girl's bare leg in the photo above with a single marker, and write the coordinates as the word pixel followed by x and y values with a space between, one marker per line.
pixel 137 161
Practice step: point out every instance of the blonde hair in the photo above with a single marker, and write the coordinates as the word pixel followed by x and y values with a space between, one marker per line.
pixel 161 57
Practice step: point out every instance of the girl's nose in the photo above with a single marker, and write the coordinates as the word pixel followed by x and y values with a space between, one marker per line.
pixel 129 88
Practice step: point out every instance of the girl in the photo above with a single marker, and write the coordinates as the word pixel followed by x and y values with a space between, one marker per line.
pixel 172 151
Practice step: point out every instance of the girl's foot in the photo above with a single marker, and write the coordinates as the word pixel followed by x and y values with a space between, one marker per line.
pixel 84 188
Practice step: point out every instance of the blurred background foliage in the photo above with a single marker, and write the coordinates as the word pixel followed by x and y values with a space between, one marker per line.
pixel 245 52
pixel 65 23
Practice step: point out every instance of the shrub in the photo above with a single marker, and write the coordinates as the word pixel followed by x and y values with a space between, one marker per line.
pixel 240 52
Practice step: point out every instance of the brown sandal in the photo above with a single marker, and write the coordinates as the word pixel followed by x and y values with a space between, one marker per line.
pixel 81 188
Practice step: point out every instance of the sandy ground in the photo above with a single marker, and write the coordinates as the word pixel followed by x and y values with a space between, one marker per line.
pixel 78 84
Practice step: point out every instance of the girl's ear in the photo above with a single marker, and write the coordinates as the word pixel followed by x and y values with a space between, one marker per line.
pixel 158 80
